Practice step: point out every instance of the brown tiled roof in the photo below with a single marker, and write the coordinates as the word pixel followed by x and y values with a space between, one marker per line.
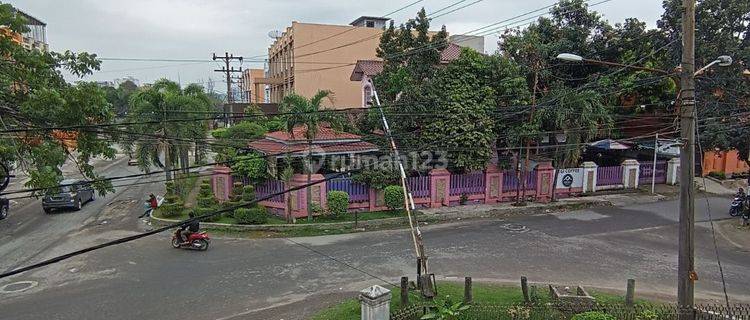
pixel 366 67
pixel 450 53
pixel 371 68
pixel 327 141
pixel 325 133
pixel 270 147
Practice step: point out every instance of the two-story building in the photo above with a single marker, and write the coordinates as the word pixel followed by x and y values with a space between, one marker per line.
pixel 34 38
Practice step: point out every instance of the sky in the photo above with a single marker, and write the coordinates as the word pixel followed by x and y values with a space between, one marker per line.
pixel 194 29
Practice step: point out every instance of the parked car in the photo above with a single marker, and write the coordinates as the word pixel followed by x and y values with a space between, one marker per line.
pixel 73 194
pixel 132 162
pixel 4 207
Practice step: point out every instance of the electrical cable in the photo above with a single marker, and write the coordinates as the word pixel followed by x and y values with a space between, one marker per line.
pixel 710 216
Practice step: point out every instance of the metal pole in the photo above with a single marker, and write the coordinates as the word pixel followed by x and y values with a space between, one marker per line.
pixel 686 260
pixel 408 200
pixel 653 171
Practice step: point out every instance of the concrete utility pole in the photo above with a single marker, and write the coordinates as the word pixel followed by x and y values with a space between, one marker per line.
pixel 686 261
pixel 227 58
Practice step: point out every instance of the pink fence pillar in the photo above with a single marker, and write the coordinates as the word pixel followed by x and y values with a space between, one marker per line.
pixel 493 187
pixel 299 197
pixel 221 182
pixel 544 188
pixel 439 187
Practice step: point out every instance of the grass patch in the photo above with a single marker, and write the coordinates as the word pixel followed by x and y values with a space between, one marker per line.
pixel 350 217
pixel 484 293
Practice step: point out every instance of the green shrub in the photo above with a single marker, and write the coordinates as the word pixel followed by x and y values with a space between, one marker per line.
pixel 203 211
pixel 248 194
pixel 338 203
pixel 316 208
pixel 718 175
pixel 237 189
pixel 256 215
pixel 206 197
pixel 394 197
pixel 171 209
pixel 170 188
pixel 593 315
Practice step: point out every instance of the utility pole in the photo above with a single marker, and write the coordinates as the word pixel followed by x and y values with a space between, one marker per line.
pixel 165 141
pixel 227 58
pixel 686 260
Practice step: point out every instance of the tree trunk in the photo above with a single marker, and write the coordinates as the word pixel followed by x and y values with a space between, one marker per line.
pixel 185 159
pixel 196 153
pixel 309 180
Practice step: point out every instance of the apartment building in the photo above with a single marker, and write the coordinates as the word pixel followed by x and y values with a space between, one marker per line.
pixel 252 90
pixel 308 57
pixel 34 38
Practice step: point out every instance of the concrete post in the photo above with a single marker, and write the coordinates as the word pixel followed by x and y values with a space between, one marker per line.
pixel 375 303
pixel 299 197
pixel 221 182
pixel 544 180
pixel 439 188
pixel 589 176
pixel 630 173
pixel 673 167
pixel 493 188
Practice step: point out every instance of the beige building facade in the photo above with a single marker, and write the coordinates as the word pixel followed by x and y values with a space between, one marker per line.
pixel 309 57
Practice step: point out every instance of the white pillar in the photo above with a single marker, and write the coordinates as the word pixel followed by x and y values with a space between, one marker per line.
pixel 589 176
pixel 673 166
pixel 630 173
pixel 375 303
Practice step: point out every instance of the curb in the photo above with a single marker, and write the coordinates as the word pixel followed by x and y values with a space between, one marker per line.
pixel 452 216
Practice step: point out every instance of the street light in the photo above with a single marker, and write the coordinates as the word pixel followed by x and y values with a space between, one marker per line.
pixel 570 57
pixel 722 61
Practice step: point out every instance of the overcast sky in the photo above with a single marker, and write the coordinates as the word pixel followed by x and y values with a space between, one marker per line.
pixel 194 29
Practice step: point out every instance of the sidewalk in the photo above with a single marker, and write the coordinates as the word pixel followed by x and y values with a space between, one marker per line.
pixel 738 236
pixel 598 200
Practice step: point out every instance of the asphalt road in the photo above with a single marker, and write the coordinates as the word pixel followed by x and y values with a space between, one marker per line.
pixel 288 279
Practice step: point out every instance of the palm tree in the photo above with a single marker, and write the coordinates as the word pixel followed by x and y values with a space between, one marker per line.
pixel 301 111
pixel 150 109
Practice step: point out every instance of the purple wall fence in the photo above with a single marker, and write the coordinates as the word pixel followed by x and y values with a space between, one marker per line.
pixel 646 171
pixel 357 192
pixel 609 176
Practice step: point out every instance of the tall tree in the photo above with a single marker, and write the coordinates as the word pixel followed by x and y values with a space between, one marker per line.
pixel 34 96
pixel 722 93
pixel 154 111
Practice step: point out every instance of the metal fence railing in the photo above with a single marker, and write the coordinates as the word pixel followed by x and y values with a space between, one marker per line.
pixel 563 312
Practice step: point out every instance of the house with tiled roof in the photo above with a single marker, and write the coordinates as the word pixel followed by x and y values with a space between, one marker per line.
pixel 364 70
pixel 326 143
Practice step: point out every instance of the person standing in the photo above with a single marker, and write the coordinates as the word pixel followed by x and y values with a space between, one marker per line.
pixel 152 204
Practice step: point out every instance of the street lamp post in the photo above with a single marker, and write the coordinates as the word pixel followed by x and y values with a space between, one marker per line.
pixel 686 274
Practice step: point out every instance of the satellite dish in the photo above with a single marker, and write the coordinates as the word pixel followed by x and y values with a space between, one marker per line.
pixel 274 34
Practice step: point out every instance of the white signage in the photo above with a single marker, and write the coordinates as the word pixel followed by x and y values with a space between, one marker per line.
pixel 569 178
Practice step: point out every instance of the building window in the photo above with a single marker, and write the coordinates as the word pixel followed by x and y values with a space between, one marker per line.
pixel 368 95
pixel 369 23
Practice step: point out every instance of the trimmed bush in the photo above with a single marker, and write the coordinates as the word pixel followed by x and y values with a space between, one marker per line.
pixel 237 189
pixel 394 197
pixel 169 210
pixel 248 193
pixel 256 215
pixel 338 203
pixel 593 315
pixel 206 197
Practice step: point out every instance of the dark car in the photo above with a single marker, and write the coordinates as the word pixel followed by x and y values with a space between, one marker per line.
pixel 73 194
pixel 4 205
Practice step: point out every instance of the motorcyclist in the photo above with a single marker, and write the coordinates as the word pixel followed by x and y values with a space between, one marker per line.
pixel 741 194
pixel 188 228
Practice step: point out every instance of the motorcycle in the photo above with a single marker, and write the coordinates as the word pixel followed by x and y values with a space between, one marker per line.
pixel 195 241
pixel 737 207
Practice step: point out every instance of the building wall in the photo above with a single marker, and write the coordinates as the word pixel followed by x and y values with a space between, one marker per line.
pixel 727 162
pixel 325 65
pixel 255 94
pixel 468 41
